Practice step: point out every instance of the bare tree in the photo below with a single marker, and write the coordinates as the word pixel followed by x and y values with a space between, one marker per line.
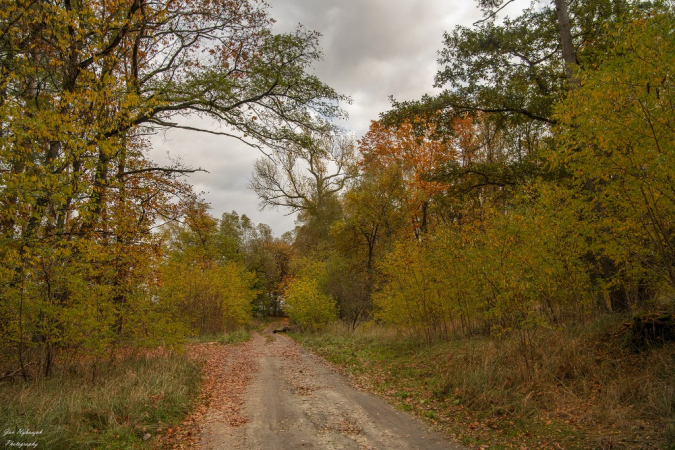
pixel 305 175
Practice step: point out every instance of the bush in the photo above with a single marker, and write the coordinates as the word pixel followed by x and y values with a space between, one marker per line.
pixel 307 305
pixel 208 297
pixel 515 271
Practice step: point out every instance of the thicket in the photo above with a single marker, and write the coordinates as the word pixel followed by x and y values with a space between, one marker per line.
pixel 217 274
pixel 590 231
pixel 504 274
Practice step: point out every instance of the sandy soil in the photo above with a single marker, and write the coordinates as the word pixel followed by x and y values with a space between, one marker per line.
pixel 293 400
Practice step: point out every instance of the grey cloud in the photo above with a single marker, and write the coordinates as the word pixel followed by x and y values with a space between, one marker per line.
pixel 376 48
pixel 372 49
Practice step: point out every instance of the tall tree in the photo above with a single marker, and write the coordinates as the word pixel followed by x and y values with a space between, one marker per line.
pixel 415 155
pixel 616 140
pixel 82 83
pixel 306 177
pixel 515 70
pixel 302 176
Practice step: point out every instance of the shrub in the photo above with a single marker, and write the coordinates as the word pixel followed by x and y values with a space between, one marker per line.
pixel 307 305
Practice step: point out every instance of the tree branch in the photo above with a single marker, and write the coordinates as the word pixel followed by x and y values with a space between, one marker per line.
pixel 160 169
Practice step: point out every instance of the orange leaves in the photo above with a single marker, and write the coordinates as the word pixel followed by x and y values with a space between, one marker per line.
pixel 417 156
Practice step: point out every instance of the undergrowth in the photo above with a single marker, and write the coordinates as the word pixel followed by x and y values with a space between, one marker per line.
pixel 575 387
pixel 123 407
pixel 123 403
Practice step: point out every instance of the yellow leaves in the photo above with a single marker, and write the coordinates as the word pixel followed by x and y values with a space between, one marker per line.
pixel 77 193
pixel 616 139
pixel 499 272
pixel 205 295
pixel 74 293
pixel 306 303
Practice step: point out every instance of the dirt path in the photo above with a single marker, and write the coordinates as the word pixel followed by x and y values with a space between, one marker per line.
pixel 294 401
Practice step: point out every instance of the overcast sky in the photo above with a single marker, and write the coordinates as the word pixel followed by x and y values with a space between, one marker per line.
pixel 372 49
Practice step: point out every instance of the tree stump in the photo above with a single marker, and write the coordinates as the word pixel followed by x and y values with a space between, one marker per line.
pixel 650 330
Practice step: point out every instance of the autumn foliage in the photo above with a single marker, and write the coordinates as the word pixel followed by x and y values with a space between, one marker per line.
pixel 82 86
pixel 483 222
pixel 306 302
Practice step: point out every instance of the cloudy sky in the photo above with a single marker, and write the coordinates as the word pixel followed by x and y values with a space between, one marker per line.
pixel 372 49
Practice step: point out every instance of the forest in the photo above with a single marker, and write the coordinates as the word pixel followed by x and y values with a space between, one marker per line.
pixel 521 220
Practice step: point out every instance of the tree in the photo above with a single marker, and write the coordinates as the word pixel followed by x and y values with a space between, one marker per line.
pixel 415 156
pixel 372 214
pixel 491 8
pixel 204 284
pixel 307 303
pixel 307 178
pixel 616 141
pixel 516 70
pixel 263 255
pixel 303 176
pixel 82 83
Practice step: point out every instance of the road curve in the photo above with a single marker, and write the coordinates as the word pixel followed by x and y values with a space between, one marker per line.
pixel 295 401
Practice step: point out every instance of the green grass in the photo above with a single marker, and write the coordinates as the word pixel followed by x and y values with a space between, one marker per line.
pixel 669 438
pixel 128 404
pixel 577 388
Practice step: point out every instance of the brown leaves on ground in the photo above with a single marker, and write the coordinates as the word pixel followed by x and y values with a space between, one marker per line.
pixel 226 371
pixel 297 375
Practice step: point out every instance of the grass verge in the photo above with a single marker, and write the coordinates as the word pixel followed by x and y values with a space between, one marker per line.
pixel 129 403
pixel 574 388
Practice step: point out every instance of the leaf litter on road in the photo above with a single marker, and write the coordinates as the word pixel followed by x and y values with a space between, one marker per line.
pixel 226 371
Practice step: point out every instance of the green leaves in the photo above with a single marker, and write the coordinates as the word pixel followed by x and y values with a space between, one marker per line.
pixel 512 71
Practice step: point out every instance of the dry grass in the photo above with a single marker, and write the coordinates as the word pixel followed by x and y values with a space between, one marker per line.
pixel 576 387
pixel 124 407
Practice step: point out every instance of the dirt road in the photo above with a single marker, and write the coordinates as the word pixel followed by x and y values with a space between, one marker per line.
pixel 294 401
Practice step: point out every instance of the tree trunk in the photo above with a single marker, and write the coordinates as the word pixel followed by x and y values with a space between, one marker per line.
pixel 565 30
